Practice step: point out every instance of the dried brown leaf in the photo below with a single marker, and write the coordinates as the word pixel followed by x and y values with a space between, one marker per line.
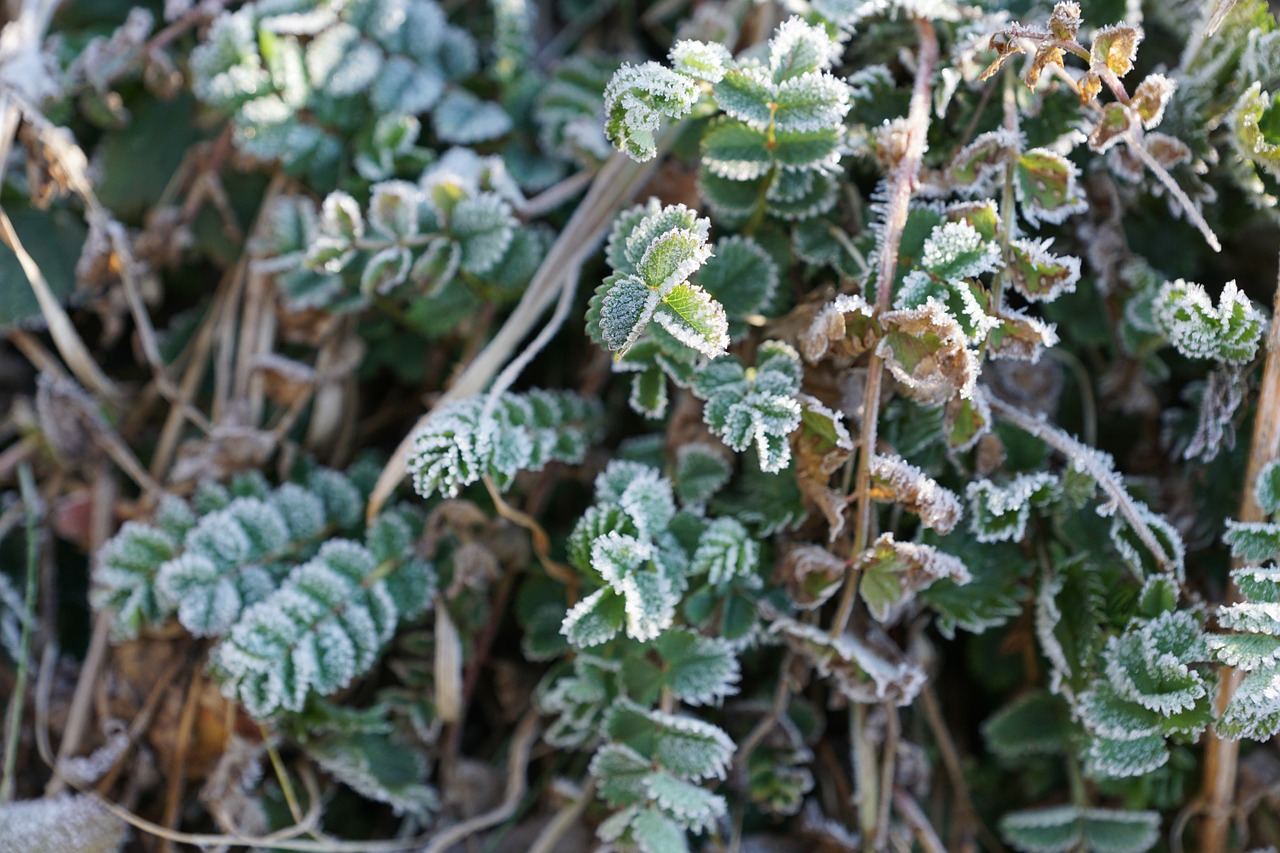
pixel 894 480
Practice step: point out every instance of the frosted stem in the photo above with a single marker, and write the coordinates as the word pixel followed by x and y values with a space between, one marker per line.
pixel 1089 461
pixel 904 179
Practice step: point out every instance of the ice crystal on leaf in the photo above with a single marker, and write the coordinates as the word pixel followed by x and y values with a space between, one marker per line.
pixel 1228 333
pixel 1000 513
pixel 1059 828
pixel 325 625
pixel 895 480
pixel 754 407
pixel 893 572
pixel 867 670
pixel 1254 709
pixel 636 100
pixel 525 432
pixel 60 824
pixel 653 251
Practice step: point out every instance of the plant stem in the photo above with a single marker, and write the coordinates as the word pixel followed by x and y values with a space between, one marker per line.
pixel 1220 755
pixel 1090 462
pixel 31 501
pixel 900 192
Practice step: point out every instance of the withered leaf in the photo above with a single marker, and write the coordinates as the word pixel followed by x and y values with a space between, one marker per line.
pixel 867 670
pixel 844 326
pixel 925 350
pixel 811 574
pixel 893 572
pixel 895 480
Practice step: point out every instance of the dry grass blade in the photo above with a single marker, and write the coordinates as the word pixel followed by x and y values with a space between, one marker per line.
pixel 65 337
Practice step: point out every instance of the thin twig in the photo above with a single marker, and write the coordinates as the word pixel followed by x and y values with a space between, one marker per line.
pixel 178 767
pixel 555 829
pixel 966 813
pixel 915 817
pixel 541 541
pixel 900 191
pixel 31 502
pixel 70 345
pixel 517 765
pixel 556 195
pixel 1090 462
pixel 104 489
pixel 888 766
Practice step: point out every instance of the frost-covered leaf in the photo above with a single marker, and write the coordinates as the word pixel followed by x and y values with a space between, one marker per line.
pixel 1154 663
pixel 321 628
pixel 524 432
pixel 700 59
pixel 895 480
pixel 701 471
pixel 694 318
pixel 956 250
pixel 962 299
pixel 1253 119
pixel 637 98
pixel 925 350
pixel 758 410
pixel 686 747
pixel 698 670
pixel 812 575
pixel 843 326
pixel 463 119
pixel 61 824
pixel 868 671
pixel 799 48
pixel 1036 723
pixel 1253 541
pixel 740 275
pixel 1000 513
pixel 1039 275
pixel 1229 333
pixel 1062 828
pixel 726 552
pixel 1046 187
pixel 378 768
pixel 1266 488
pixel 124 577
pixel 893 572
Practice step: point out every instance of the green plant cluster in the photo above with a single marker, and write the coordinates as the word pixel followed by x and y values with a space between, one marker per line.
pixel 930 421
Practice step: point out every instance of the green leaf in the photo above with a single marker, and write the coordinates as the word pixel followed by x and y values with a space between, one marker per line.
pixel 1046 186
pixel 1038 275
pixel 1254 120
pixel 740 275
pixel 799 48
pixel 893 572
pixel 1062 828
pixel 694 318
pixel 378 768
pixel 595 619
pixel 654 832
pixel 1229 333
pixel 637 98
pixel 701 471
pixel 1036 723
pixel 698 670
pixel 1253 541
pixel 687 748
pixel 1266 488
pixel 735 151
